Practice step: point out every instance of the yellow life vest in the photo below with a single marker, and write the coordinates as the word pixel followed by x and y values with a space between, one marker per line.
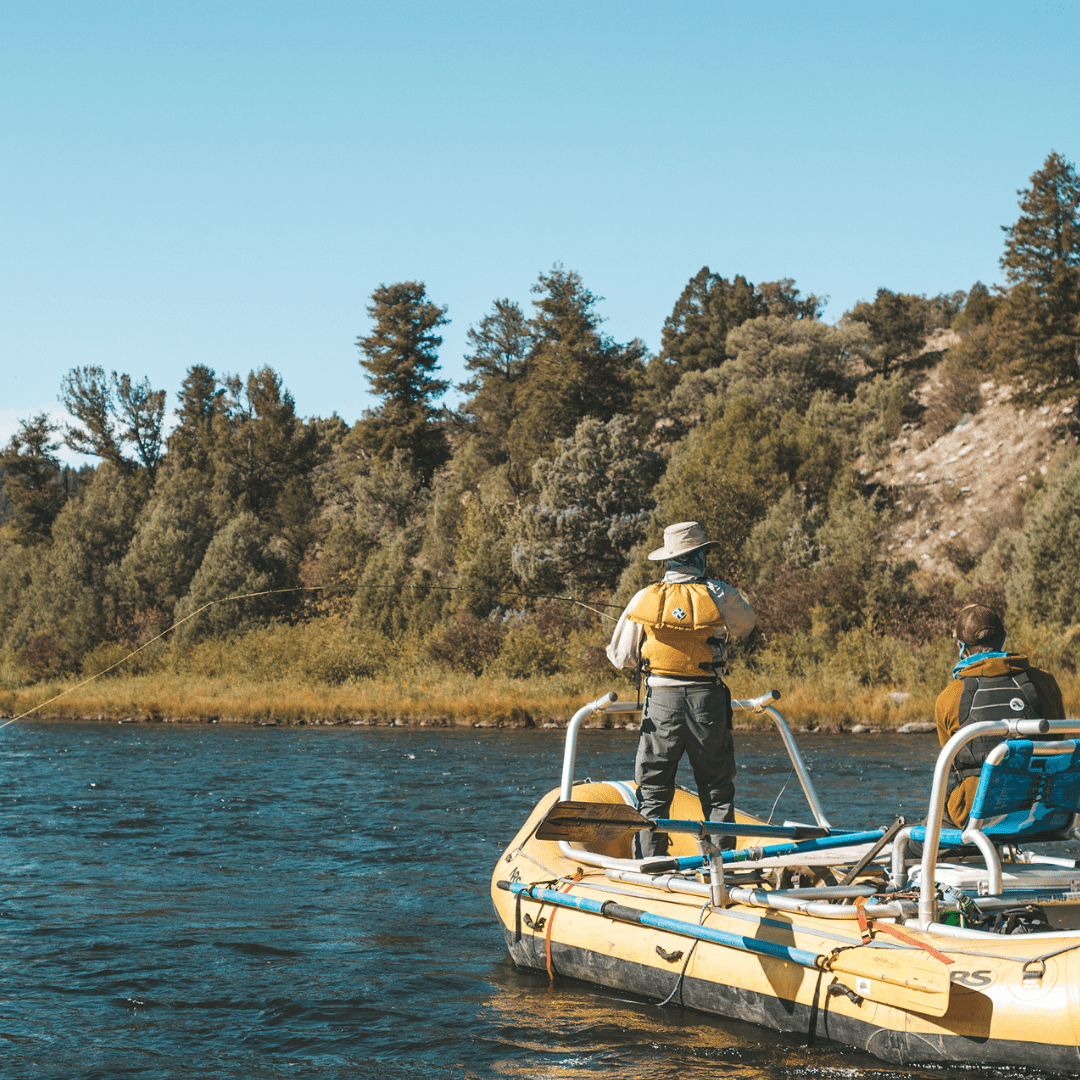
pixel 679 619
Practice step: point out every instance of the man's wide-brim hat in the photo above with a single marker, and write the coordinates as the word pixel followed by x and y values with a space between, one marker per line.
pixel 680 540
pixel 977 624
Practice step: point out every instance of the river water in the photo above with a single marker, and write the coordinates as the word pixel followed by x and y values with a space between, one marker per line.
pixel 236 902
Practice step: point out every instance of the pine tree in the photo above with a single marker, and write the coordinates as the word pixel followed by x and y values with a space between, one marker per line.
pixel 31 478
pixel 1037 328
pixel 498 360
pixel 113 411
pixel 1045 240
pixel 898 324
pixel 695 333
pixel 202 400
pixel 572 371
pixel 400 356
pixel 260 446
pixel 694 337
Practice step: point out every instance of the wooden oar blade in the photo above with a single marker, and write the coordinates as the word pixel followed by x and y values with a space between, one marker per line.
pixel 589 822
pixel 903 978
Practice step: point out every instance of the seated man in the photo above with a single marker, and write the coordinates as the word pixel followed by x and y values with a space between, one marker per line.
pixel 988 684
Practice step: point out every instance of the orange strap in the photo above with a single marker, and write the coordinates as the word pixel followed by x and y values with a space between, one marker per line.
pixel 909 940
pixel 896 932
pixel 550 922
pixel 864 927
pixel 547 944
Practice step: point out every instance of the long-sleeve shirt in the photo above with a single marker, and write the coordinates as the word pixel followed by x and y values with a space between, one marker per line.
pixel 624 649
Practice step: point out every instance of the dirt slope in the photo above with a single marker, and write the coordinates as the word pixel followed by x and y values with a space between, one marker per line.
pixel 953 495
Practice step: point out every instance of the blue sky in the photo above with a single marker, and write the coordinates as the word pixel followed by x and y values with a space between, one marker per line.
pixel 225 182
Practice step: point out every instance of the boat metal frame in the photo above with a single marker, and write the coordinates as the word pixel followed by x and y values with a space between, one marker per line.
pixel 928 905
pixel 609 703
pixel 636 872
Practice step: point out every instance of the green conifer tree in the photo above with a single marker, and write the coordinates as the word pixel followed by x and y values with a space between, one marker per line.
pixel 593 507
pixel 898 324
pixel 113 411
pixel 498 360
pixel 694 337
pixel 202 401
pixel 242 559
pixel 400 356
pixel 1044 581
pixel 31 479
pixel 1037 327
pixel 572 371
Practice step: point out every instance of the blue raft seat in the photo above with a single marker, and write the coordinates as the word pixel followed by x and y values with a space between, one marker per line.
pixel 1027 791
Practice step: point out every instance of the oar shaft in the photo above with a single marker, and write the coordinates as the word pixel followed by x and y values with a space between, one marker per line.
pixel 802 847
pixel 622 913
pixel 819 843
pixel 734 828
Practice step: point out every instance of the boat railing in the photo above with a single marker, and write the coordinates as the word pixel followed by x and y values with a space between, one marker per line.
pixel 928 905
pixel 609 703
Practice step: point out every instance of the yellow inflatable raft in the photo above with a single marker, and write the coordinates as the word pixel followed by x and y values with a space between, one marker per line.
pixel 915 943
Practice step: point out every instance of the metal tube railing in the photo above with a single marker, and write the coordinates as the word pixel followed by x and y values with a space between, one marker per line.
pixel 609 703
pixel 762 704
pixel 939 789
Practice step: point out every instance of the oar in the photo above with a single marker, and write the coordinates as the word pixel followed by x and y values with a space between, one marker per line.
pixel 902 978
pixel 598 822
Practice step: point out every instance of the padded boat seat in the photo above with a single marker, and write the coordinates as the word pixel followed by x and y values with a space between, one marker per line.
pixel 1027 791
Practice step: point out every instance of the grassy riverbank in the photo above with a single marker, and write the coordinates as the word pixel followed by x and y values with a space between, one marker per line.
pixel 451 701
pixel 330 675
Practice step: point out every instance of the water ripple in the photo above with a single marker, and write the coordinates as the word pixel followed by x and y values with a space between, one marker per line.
pixel 241 904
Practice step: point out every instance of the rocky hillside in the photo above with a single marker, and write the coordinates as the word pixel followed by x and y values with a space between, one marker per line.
pixel 955 493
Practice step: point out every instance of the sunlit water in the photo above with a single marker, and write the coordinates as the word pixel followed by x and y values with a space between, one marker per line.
pixel 292 902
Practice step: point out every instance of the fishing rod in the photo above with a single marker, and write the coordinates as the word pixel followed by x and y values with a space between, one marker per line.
pixel 311 588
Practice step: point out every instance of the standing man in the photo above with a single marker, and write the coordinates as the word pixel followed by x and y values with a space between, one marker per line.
pixel 673 630
pixel 988 684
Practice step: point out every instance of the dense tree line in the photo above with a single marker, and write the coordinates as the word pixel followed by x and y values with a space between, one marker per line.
pixel 568 454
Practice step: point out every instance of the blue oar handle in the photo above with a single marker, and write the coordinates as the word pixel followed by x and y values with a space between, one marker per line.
pixel 733 828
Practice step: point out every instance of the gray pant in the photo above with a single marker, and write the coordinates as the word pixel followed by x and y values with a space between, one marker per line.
pixel 695 718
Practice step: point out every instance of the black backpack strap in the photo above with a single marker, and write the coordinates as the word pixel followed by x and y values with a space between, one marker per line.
pixel 1031 695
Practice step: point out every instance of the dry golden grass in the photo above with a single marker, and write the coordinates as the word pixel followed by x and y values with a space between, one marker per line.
pixel 279 676
pixel 451 699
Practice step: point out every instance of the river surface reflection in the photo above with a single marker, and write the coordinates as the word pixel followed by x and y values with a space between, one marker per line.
pixel 293 902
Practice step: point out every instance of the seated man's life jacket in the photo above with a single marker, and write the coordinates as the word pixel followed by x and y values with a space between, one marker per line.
pixel 998 697
pixel 680 621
